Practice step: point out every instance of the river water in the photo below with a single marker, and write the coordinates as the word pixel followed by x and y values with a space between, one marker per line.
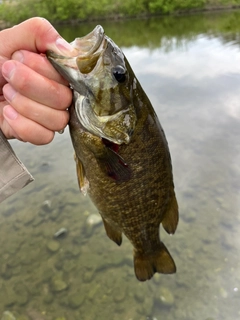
pixel 190 68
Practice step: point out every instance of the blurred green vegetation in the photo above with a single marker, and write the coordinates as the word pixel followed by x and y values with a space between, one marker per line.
pixel 15 11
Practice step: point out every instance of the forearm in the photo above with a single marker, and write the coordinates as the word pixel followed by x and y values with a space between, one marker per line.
pixel 13 174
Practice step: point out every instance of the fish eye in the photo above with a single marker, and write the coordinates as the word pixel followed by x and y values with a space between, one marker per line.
pixel 119 73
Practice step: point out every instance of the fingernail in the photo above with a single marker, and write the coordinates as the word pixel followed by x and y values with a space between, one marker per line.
pixel 63 45
pixel 8 92
pixel 18 55
pixel 8 69
pixel 10 113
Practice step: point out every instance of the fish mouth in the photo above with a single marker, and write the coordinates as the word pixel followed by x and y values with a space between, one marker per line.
pixel 86 51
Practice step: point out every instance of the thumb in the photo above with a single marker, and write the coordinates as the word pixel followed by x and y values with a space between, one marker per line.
pixel 36 35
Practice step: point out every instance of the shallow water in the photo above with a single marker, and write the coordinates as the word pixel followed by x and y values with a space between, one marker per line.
pixel 190 69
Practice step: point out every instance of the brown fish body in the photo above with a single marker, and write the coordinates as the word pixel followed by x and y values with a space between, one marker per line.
pixel 130 183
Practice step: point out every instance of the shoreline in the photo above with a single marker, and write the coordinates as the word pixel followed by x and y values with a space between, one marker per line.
pixel 204 10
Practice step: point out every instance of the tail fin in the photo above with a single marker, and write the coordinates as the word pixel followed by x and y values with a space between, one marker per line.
pixel 160 261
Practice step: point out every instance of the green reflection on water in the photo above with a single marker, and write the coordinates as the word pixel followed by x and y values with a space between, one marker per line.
pixel 83 275
pixel 151 33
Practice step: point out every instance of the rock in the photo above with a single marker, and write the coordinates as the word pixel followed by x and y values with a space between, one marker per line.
pixel 92 294
pixel 28 219
pixel 22 318
pixel 37 221
pixel 76 300
pixel 21 294
pixel 60 233
pixel 5 271
pixel 68 265
pixel 57 283
pixel 53 246
pixel 165 297
pixel 190 216
pixel 48 298
pixel 94 220
pixel 35 315
pixel 46 206
pixel 7 295
pixel 146 306
pixel 119 294
pixel 54 215
pixel 88 276
pixel 7 315
pixel 139 295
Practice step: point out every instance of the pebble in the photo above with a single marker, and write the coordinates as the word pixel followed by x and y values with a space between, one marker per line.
pixel 88 276
pixel 139 296
pixel 165 297
pixel 53 246
pixel 58 284
pixel 94 219
pixel 46 206
pixel 48 298
pixel 22 295
pixel 7 315
pixel 119 294
pixel 76 300
pixel 60 233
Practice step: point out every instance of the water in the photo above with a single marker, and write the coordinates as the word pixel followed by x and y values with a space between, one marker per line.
pixel 190 69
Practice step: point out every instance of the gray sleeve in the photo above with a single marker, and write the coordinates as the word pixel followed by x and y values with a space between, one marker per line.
pixel 13 174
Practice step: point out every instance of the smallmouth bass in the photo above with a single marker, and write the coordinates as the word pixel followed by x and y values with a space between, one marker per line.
pixel 121 151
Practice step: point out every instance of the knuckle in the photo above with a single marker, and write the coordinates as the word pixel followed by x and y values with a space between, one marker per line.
pixel 63 119
pixel 21 81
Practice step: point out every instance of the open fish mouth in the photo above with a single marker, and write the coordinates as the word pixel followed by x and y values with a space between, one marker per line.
pixel 102 107
pixel 86 52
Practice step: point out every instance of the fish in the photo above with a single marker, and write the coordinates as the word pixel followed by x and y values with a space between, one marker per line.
pixel 121 152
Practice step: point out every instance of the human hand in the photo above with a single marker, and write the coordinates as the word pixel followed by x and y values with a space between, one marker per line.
pixel 33 96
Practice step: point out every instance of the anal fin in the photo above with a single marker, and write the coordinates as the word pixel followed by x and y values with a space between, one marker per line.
pixel 170 219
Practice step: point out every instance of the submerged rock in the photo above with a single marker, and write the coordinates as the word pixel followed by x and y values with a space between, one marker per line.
pixel 53 246
pixel 57 283
pixel 119 294
pixel 139 296
pixel 88 276
pixel 7 315
pixel 22 295
pixel 165 297
pixel 60 233
pixel 94 219
pixel 35 315
pixel 76 300
pixel 46 206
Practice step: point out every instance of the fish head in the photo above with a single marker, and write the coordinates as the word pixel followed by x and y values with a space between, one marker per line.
pixel 103 83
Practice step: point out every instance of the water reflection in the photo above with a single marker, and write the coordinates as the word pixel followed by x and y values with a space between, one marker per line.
pixel 189 67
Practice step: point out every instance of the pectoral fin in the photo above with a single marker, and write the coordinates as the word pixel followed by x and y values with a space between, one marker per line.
pixel 108 159
pixel 115 166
